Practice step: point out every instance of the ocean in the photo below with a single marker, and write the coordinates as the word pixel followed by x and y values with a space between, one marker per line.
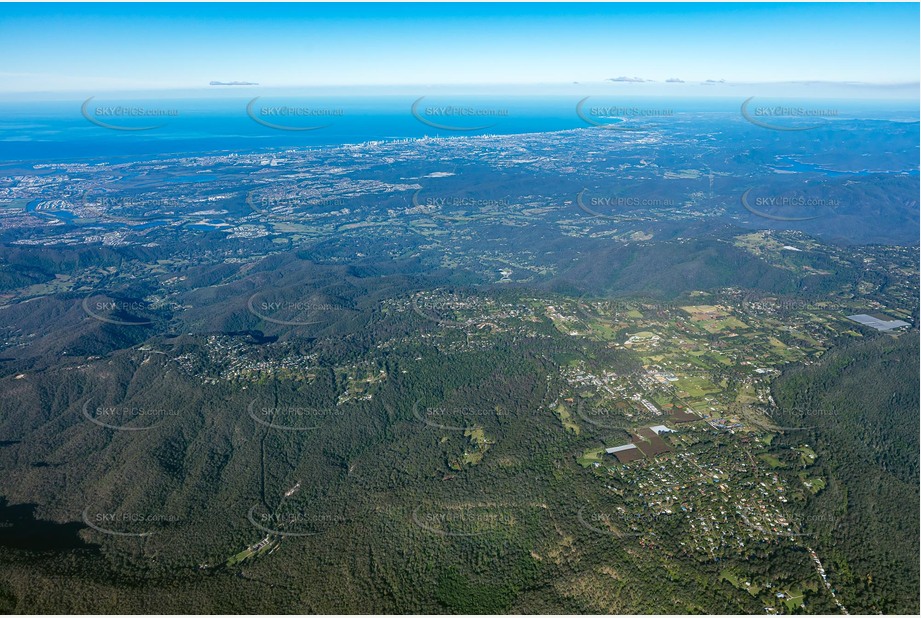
pixel 113 129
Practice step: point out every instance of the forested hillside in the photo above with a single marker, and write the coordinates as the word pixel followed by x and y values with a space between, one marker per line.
pixel 859 407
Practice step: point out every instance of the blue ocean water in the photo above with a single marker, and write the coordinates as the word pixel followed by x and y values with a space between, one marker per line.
pixel 101 129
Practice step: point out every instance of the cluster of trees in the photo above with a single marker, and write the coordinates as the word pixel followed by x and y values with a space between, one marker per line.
pixel 364 469
pixel 860 403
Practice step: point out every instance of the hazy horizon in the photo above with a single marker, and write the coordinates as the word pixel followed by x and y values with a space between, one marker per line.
pixel 66 48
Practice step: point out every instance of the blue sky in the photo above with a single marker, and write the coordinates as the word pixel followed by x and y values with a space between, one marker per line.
pixel 72 47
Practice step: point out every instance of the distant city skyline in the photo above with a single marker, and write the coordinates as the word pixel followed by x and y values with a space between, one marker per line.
pixel 644 47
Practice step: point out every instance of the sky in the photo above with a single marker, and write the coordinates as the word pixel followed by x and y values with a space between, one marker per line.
pixel 123 47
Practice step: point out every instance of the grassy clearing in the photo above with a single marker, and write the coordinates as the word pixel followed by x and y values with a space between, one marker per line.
pixel 565 416
pixel 806 454
pixel 590 456
pixel 814 484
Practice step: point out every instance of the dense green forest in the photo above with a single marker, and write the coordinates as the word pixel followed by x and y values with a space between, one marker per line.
pixel 401 449
pixel 859 407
